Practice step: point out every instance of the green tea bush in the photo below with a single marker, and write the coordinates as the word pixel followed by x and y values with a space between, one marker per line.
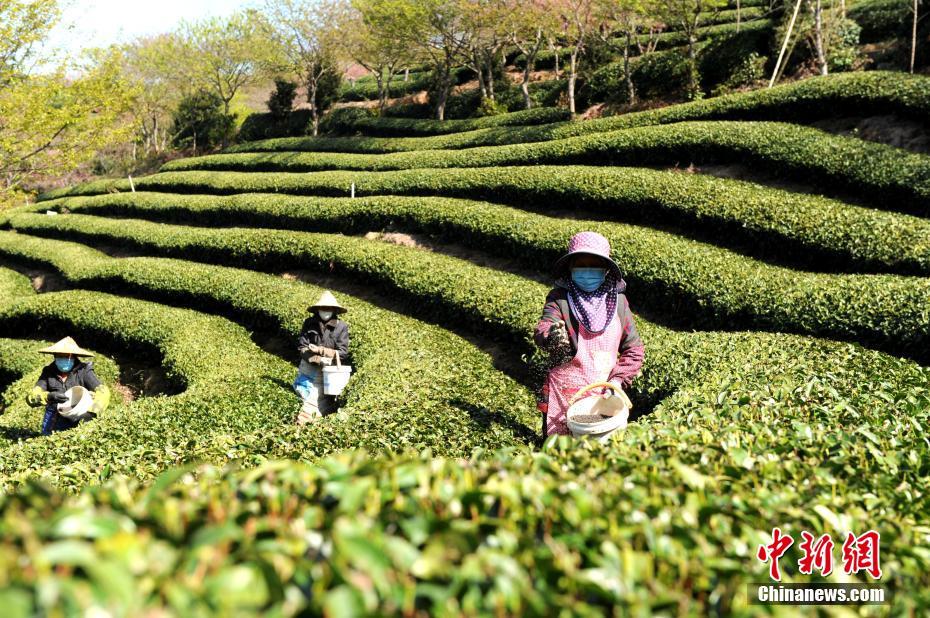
pixel 267 126
pixel 881 19
pixel 405 126
pixel 761 220
pixel 843 94
pixel 883 310
pixel 666 519
pixel 889 177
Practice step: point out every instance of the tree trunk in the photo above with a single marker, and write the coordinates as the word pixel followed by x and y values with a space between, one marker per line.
pixel 692 65
pixel 914 36
pixel 572 76
pixel 382 90
pixel 479 68
pixel 406 75
pixel 627 76
pixel 737 15
pixel 490 68
pixel 443 93
pixel 314 112
pixel 555 52
pixel 525 84
pixel 818 38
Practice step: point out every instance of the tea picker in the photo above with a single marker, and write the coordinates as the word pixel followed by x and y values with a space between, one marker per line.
pixel 68 388
pixel 323 347
pixel 588 331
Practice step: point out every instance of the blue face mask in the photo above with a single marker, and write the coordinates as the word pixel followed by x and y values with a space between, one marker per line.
pixel 589 279
pixel 64 364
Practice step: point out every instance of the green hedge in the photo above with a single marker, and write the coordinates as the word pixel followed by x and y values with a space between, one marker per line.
pixel 755 219
pixel 843 94
pixel 409 126
pixel 367 89
pixel 883 310
pixel 666 520
pixel 461 403
pixel 889 177
pixel 881 19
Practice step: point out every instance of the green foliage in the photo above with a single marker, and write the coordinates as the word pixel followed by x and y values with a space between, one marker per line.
pixel 881 19
pixel 888 177
pixel 281 100
pixel 586 527
pixel 268 126
pixel 844 51
pixel 844 94
pixel 882 310
pixel 200 122
pixel 368 125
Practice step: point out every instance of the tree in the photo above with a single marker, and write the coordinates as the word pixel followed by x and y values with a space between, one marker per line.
pixel 225 54
pixel 23 27
pixel 200 122
pixel 529 24
pixel 155 70
pixel 687 16
pixel 578 22
pixel 438 31
pixel 305 35
pixel 53 121
pixel 626 20
pixel 368 40
pixel 487 36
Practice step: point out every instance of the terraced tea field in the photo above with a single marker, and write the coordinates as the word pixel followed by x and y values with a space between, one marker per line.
pixel 781 279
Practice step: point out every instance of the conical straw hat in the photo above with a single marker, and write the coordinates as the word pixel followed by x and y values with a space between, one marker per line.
pixel 66 346
pixel 328 301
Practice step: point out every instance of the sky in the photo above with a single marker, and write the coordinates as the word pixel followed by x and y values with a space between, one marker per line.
pixel 98 23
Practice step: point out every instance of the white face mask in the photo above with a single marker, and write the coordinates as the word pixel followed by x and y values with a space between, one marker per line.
pixel 326 315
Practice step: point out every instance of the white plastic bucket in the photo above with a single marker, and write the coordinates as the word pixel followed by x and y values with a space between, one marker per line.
pixel 615 407
pixel 78 405
pixel 335 377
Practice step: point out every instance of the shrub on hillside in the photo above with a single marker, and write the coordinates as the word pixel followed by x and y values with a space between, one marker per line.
pixel 200 122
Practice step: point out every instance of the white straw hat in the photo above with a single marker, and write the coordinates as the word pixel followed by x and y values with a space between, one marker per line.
pixel 327 301
pixel 66 346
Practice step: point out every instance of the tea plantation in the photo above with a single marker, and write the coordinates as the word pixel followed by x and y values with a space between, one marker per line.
pixel 786 318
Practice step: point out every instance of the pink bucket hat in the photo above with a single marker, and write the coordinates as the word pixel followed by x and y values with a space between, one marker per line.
pixel 588 243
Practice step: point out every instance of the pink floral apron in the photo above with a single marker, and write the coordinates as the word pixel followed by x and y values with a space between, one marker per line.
pixel 594 361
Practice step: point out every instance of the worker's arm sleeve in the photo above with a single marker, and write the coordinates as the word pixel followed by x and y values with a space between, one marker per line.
pixel 89 379
pixel 303 342
pixel 342 343
pixel 551 314
pixel 631 352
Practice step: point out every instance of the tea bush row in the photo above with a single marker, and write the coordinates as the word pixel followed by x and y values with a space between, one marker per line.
pixel 763 220
pixel 843 94
pixel 892 178
pixel 883 310
pixel 382 126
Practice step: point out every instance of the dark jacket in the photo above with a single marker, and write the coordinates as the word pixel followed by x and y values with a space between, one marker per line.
pixel 631 351
pixel 82 374
pixel 331 334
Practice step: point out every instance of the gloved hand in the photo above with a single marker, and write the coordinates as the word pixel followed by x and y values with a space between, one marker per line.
pixel 328 352
pixel 314 349
pixel 57 398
